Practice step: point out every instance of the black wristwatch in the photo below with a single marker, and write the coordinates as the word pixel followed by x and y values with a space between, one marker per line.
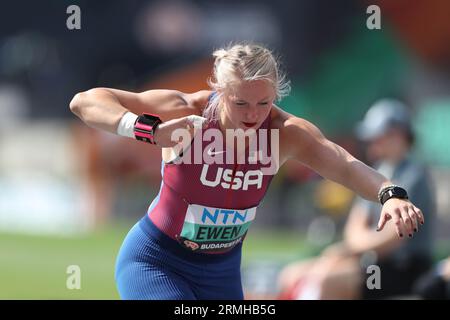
pixel 392 192
pixel 145 127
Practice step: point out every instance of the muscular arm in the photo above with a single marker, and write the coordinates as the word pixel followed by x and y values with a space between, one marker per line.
pixel 307 144
pixel 102 108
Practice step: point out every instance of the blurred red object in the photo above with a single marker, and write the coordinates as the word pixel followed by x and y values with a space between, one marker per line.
pixel 423 25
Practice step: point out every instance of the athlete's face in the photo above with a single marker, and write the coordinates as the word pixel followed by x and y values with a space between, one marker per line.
pixel 247 104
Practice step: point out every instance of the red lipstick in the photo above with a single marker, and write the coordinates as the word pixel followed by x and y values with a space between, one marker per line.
pixel 249 124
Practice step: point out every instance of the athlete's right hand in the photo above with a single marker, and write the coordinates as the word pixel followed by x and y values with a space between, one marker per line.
pixel 167 135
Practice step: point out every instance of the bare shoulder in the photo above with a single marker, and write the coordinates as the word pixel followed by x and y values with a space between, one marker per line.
pixel 198 100
pixel 289 124
pixel 296 134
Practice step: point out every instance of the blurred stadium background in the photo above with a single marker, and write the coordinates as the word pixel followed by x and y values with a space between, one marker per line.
pixel 69 194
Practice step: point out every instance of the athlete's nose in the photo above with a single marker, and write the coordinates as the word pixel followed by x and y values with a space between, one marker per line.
pixel 252 114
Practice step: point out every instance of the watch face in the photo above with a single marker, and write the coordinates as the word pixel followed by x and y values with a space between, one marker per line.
pixel 400 192
pixel 395 192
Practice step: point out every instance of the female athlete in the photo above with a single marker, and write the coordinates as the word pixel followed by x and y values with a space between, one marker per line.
pixel 220 150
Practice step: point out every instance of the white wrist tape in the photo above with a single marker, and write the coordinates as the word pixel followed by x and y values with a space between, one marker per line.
pixel 196 121
pixel 126 125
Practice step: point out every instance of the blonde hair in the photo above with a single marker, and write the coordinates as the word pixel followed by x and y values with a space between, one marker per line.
pixel 243 62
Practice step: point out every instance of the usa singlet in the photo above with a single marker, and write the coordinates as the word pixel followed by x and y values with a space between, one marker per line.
pixel 188 245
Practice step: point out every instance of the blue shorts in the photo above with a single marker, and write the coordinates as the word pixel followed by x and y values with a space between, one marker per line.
pixel 151 265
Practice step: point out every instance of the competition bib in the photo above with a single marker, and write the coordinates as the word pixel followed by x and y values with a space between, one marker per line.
pixel 209 229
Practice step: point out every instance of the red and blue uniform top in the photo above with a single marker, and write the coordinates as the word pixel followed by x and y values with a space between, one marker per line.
pixel 208 206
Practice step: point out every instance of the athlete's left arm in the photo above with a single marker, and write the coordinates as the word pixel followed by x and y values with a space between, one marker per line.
pixel 308 145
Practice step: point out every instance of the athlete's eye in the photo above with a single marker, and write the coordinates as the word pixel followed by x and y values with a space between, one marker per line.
pixel 263 103
pixel 240 103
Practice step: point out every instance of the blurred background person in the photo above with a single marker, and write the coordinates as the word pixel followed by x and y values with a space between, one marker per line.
pixel 340 272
